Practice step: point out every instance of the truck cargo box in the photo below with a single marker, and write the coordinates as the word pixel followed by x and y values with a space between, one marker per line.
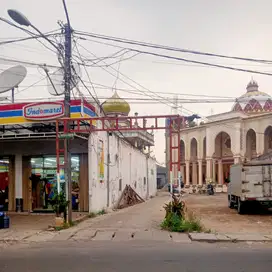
pixel 250 182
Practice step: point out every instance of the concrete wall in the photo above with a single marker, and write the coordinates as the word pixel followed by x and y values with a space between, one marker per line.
pixel 127 166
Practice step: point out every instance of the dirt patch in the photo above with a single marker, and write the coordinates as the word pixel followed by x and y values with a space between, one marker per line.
pixel 215 215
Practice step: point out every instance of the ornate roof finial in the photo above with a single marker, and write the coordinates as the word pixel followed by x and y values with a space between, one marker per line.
pixel 252 86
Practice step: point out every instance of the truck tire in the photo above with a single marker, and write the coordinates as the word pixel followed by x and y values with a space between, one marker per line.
pixel 230 202
pixel 240 206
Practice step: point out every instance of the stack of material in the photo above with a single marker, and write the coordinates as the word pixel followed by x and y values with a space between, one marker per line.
pixel 128 198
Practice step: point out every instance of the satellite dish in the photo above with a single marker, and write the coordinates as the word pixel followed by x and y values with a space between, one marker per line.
pixel 55 80
pixel 12 77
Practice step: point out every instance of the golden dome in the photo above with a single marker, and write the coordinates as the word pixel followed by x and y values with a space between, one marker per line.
pixel 116 106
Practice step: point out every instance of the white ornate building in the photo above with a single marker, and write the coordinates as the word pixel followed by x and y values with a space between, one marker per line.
pixel 208 150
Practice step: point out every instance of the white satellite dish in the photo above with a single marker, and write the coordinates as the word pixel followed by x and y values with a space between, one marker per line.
pixel 55 80
pixel 12 77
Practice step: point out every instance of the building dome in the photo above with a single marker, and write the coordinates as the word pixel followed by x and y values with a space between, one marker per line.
pixel 253 101
pixel 116 106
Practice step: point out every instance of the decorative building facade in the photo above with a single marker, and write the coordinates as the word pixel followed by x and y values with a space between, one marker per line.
pixel 208 150
pixel 102 163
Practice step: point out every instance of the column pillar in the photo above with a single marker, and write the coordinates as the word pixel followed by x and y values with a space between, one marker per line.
pixel 187 164
pixel 208 170
pixel 220 172
pixel 182 173
pixel 213 171
pixel 194 173
pixel 237 159
pixel 200 181
pixel 19 182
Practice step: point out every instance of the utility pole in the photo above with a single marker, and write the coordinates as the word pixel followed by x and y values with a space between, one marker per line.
pixel 67 102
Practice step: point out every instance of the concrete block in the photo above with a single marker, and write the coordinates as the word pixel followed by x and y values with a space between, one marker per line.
pixel 103 236
pixel 143 235
pixel 123 236
pixel 85 234
pixel 221 237
pixel 64 235
pixel 42 237
pixel 244 237
pixel 180 237
pixel 203 237
pixel 159 235
pixel 269 236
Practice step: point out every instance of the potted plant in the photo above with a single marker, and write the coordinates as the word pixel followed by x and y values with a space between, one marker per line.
pixel 59 204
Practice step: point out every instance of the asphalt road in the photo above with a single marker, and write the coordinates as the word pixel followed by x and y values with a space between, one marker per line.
pixel 132 257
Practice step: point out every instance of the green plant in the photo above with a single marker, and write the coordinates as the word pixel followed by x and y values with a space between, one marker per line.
pixel 103 211
pixel 176 206
pixel 177 224
pixel 175 218
pixel 92 215
pixel 59 203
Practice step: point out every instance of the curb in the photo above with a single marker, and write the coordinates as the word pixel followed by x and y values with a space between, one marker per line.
pixel 229 238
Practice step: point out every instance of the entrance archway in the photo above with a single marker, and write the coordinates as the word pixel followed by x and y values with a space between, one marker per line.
pixel 268 139
pixel 193 160
pixel 223 157
pixel 182 151
pixel 204 160
pixel 251 144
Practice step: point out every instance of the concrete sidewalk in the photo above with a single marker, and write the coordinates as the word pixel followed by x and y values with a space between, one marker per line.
pixel 128 235
pixel 137 223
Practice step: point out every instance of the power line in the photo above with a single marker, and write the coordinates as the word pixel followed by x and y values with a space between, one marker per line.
pixel 204 63
pixel 163 62
pixel 208 64
pixel 168 48
pixel 28 63
pixel 147 90
pixel 37 82
pixel 86 72
pixel 34 37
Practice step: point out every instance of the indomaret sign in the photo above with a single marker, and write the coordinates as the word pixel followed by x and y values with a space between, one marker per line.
pixel 43 111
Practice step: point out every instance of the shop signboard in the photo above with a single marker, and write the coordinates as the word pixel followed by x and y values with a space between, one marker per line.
pixel 43 111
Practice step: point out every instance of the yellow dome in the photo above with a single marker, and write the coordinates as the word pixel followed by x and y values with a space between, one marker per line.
pixel 116 106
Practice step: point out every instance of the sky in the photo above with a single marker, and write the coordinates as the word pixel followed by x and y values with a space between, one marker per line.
pixel 235 28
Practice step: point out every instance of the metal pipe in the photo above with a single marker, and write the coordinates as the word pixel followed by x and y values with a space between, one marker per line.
pixel 108 169
pixel 67 100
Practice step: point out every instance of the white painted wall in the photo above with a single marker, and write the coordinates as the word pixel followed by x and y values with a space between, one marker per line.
pixel 127 166
pixel 18 176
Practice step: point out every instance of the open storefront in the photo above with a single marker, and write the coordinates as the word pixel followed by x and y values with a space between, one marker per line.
pixel 28 168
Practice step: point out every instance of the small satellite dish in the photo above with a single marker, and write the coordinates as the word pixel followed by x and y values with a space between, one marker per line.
pixel 12 77
pixel 55 80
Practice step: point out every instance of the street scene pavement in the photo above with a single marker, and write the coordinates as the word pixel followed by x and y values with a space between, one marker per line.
pixel 216 216
pixel 131 239
pixel 142 223
pixel 137 256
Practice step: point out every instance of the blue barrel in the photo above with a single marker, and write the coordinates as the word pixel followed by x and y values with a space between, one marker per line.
pixel 2 215
pixel 6 222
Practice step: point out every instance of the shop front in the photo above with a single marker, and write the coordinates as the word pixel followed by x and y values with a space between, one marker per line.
pixel 44 179
pixel 28 169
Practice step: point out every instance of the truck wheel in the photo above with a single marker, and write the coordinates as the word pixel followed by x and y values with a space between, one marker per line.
pixel 230 202
pixel 240 207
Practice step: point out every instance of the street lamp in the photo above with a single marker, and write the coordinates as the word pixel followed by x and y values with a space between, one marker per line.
pixel 19 18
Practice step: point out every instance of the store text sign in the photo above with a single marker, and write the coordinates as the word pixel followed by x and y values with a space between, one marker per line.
pixel 43 111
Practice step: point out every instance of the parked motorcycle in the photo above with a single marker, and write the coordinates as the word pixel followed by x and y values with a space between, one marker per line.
pixel 210 189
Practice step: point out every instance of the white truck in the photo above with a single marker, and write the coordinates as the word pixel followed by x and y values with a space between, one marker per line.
pixel 250 185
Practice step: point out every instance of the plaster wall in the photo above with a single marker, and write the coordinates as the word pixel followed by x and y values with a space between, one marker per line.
pixel 128 166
